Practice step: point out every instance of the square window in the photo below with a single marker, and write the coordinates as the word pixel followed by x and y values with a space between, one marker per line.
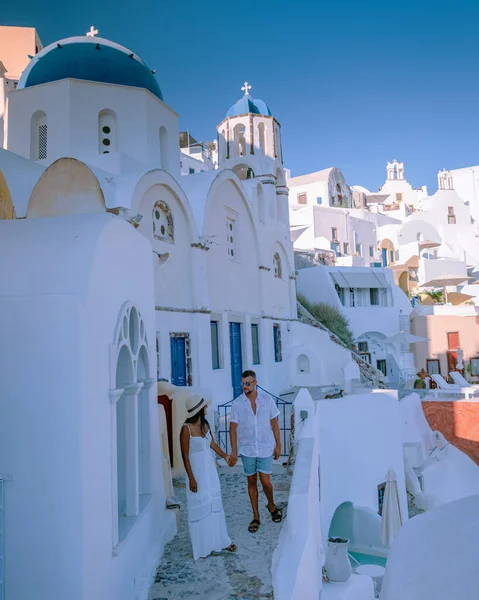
pixel 255 343
pixel 346 248
pixel 334 233
pixel 278 351
pixel 215 345
pixel 191 171
pixel 398 197
pixel 363 347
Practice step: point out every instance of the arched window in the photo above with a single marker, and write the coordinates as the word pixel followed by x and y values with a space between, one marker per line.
pixel 163 228
pixel 262 139
pixel 107 132
pixel 164 162
pixel 39 136
pixel 278 272
pixel 131 444
pixel 239 133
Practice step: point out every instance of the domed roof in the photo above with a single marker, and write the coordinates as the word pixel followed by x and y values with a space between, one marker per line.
pixel 247 104
pixel 89 59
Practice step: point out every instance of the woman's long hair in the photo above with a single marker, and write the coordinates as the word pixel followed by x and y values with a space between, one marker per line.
pixel 204 425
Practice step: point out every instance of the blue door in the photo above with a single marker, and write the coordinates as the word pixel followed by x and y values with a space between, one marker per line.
pixel 385 257
pixel 236 358
pixel 178 360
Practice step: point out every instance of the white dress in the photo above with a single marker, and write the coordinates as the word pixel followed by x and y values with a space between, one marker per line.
pixel 206 517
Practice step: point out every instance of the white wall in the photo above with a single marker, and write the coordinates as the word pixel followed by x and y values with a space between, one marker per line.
pixel 434 556
pixel 72 109
pixel 64 285
pixel 359 441
pixel 299 555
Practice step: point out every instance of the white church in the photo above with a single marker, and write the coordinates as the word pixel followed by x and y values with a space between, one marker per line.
pixel 117 272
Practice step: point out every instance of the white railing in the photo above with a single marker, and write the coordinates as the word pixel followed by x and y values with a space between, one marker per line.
pixel 299 556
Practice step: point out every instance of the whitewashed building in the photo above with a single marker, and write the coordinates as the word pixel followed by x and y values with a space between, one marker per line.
pixel 375 308
pixel 127 273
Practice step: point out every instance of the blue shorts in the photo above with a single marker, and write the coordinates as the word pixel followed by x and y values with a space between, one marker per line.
pixel 253 465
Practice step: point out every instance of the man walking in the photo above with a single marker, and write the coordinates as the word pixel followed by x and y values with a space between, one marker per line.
pixel 255 437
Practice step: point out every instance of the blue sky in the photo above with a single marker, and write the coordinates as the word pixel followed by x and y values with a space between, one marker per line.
pixel 353 84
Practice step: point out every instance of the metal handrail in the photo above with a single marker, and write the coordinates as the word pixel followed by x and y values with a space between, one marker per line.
pixel 222 433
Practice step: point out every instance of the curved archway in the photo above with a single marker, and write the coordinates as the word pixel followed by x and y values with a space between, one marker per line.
pixel 404 282
pixel 239 140
pixel 227 209
pixel 243 172
pixel 67 187
pixel 7 210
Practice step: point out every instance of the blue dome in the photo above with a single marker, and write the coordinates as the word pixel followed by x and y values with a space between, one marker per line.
pixel 247 105
pixel 89 59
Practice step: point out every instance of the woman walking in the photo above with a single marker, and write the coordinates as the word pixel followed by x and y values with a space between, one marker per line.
pixel 206 517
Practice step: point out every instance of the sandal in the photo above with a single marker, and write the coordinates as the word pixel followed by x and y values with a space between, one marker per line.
pixel 254 526
pixel 231 548
pixel 276 515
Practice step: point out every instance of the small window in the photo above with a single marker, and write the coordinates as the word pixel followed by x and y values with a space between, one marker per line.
pixel 391 256
pixel 451 217
pixel 334 233
pixel 163 223
pixel 359 249
pixel 302 198
pixel 215 345
pixel 382 366
pixel 191 171
pixel 475 366
pixel 398 198
pixel 371 251
pixel 255 343
pixel 374 296
pixel 352 297
pixel 433 366
pixel 278 272
pixel 346 248
pixel 231 240
pixel 363 347
pixel 106 131
pixel 278 351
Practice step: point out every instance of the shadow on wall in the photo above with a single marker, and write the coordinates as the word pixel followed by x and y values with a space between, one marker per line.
pixel 361 526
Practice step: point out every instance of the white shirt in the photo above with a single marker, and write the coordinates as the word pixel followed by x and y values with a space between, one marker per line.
pixel 255 434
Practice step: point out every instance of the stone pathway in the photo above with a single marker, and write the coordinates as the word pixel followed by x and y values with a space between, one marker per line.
pixel 245 574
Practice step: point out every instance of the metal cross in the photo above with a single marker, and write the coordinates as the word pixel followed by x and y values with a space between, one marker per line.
pixel 246 88
pixel 93 32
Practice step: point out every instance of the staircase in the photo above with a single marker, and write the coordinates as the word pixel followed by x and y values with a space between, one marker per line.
pixel 370 376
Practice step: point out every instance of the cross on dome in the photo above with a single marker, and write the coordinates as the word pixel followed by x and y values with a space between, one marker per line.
pixel 246 88
pixel 93 32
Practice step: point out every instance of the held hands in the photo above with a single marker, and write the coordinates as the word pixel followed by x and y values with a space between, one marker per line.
pixel 232 459
pixel 193 485
pixel 277 452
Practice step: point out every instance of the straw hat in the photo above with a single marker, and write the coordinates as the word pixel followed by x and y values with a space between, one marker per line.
pixel 194 404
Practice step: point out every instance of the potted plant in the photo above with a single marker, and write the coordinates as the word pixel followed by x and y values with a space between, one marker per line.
pixel 419 384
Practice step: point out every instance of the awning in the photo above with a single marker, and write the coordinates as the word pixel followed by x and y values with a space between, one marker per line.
pixel 368 279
